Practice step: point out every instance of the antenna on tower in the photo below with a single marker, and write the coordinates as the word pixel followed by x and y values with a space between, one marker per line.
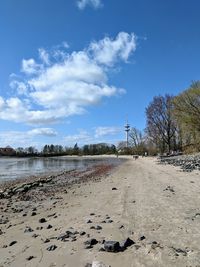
pixel 127 129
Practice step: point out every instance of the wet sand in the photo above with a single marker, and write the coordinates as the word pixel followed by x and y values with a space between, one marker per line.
pixel 156 206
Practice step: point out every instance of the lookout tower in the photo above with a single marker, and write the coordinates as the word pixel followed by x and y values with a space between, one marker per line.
pixel 127 129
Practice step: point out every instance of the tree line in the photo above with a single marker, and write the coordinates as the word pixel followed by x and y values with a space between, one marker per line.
pixel 172 124
pixel 59 150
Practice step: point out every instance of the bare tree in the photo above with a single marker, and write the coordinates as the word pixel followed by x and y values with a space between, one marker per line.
pixel 161 126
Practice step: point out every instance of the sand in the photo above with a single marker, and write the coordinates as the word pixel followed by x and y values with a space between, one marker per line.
pixel 157 206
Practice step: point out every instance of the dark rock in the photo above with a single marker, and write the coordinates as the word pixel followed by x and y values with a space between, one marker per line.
pixel 46 240
pixel 39 228
pixel 33 213
pixel 127 243
pixel 82 233
pixel 49 226
pixel 12 243
pixel 28 230
pixel 52 247
pixel 42 220
pixel 112 246
pixel 88 265
pixel 30 258
pixel 35 235
pixel 90 243
pixel 89 221
pixel 98 227
pixel 142 238
pixel 114 188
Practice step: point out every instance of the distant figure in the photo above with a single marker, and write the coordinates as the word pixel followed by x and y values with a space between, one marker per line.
pixel 135 157
pixel 145 154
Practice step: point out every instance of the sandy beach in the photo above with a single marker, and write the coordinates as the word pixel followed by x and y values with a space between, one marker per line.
pixel 156 206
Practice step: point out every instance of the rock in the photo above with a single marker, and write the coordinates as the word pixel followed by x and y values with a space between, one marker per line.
pixel 28 230
pixel 35 235
pixel 88 265
pixel 49 226
pixel 82 233
pixel 33 213
pixel 112 246
pixel 90 243
pixel 142 238
pixel 63 237
pixel 46 240
pixel 89 221
pixel 30 258
pixel 12 243
pixel 127 243
pixel 114 188
pixel 98 227
pixel 52 248
pixel 39 228
pixel 42 220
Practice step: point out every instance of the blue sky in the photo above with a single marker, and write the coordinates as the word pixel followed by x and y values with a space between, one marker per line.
pixel 72 71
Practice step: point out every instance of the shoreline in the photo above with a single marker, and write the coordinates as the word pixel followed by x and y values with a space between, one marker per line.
pixel 151 210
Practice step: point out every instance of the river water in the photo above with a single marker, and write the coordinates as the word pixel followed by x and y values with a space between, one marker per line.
pixel 13 168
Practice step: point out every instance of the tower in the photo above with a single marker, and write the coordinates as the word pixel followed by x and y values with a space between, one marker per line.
pixel 127 129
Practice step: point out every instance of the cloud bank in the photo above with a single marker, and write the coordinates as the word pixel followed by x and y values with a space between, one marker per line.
pixel 62 84
pixel 93 3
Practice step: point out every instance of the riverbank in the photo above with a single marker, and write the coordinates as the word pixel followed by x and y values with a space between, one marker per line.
pixel 155 206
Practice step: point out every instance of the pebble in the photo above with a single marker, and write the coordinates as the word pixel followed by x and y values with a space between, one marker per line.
pixel 42 220
pixel 52 248
pixel 12 243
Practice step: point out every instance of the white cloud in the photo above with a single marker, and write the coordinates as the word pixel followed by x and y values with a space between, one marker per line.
pixel 108 51
pixel 44 56
pixel 106 131
pixel 94 3
pixel 29 66
pixel 42 131
pixel 83 137
pixel 57 88
pixel 25 139
pixel 97 135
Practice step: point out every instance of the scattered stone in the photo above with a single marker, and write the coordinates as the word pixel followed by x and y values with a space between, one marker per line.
pixel 12 243
pixel 114 188
pixel 89 221
pixel 187 163
pixel 39 228
pixel 112 246
pixel 35 235
pixel 30 258
pixel 33 213
pixel 142 238
pixel 82 233
pixel 42 220
pixel 52 248
pixel 49 226
pixel 46 240
pixel 28 230
pixel 90 243
pixel 127 243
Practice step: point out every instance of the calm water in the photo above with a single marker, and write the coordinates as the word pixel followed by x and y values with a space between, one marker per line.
pixel 13 168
